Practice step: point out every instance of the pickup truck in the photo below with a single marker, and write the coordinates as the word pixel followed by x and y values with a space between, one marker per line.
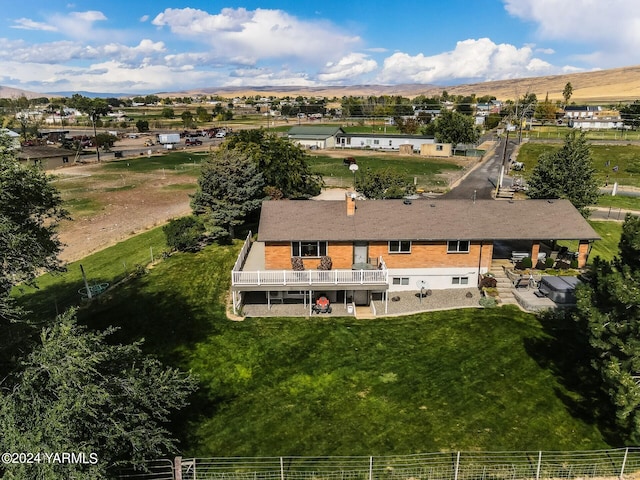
pixel 193 141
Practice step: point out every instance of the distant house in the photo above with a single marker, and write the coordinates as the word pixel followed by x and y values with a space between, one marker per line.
pixel 47 157
pixel 436 149
pixel 596 123
pixel 15 137
pixel 581 111
pixel 381 141
pixel 315 137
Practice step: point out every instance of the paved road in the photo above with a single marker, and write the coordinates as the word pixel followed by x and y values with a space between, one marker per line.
pixel 480 183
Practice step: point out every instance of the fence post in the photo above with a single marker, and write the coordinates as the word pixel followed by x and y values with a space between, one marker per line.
pixel 455 473
pixel 370 468
pixel 624 462
pixel 281 469
pixel 177 468
pixel 539 464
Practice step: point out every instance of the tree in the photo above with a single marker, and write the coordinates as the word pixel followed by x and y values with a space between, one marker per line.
pixel 30 210
pixel 79 392
pixel 184 234
pixel 106 141
pixel 608 315
pixel 168 112
pixel 455 128
pixel 383 184
pixel 567 92
pixel 230 188
pixel 142 126
pixel 545 111
pixel 94 108
pixel 187 119
pixel 630 115
pixel 407 126
pixel 281 162
pixel 567 173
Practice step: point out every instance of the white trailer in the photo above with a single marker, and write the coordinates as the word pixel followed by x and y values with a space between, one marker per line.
pixel 168 138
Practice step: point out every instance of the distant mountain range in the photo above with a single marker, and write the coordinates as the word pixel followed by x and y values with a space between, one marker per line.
pixel 605 86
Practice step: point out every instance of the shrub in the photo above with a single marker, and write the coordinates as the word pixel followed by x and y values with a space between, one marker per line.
pixel 526 262
pixel 488 302
pixel 325 263
pixel 548 263
pixel 488 282
pixel 574 263
pixel 184 234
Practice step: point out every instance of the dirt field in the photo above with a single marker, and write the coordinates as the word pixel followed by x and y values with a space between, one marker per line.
pixel 135 203
pixel 129 205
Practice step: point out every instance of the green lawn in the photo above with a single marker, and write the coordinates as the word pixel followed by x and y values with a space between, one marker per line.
pixel 466 379
pixel 334 172
pixel 605 158
pixel 56 292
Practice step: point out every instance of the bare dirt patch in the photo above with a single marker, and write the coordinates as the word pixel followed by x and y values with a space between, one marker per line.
pixel 126 206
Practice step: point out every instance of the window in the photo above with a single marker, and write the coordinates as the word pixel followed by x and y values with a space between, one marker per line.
pixel 308 249
pixel 460 280
pixel 438 148
pixel 376 142
pixel 400 280
pixel 458 246
pixel 399 246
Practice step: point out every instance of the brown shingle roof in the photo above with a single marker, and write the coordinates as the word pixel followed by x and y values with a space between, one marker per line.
pixel 423 219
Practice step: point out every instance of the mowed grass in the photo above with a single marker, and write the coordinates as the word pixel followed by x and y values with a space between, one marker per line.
pixel 465 379
pixel 427 170
pixel 181 162
pixel 605 159
pixel 55 292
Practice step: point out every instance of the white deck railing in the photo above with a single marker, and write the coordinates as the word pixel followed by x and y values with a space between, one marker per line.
pixel 310 277
pixel 242 256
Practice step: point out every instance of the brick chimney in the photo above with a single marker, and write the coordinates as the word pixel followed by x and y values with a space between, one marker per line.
pixel 351 203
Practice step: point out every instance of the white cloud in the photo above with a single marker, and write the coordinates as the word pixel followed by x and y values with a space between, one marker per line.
pixel 88 16
pixel 144 18
pixel 28 24
pixel 259 34
pixel 608 31
pixel 68 51
pixel 347 68
pixel 471 60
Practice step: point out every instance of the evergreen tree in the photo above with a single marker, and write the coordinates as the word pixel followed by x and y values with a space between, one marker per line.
pixel 567 173
pixel 230 188
pixel 608 312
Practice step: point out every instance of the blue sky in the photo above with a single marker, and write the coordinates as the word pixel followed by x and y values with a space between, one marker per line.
pixel 150 46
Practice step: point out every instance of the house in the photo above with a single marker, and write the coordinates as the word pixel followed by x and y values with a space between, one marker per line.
pixel 15 137
pixel 315 137
pixel 581 111
pixel 381 141
pixel 377 247
pixel 47 157
pixel 600 123
pixel 436 149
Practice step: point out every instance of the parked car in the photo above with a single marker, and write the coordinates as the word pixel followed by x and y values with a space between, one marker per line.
pixel 193 141
pixel 221 134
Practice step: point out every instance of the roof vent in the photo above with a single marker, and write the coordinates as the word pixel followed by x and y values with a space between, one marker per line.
pixel 406 201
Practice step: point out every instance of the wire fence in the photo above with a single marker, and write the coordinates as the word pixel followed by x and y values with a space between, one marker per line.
pixel 623 463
